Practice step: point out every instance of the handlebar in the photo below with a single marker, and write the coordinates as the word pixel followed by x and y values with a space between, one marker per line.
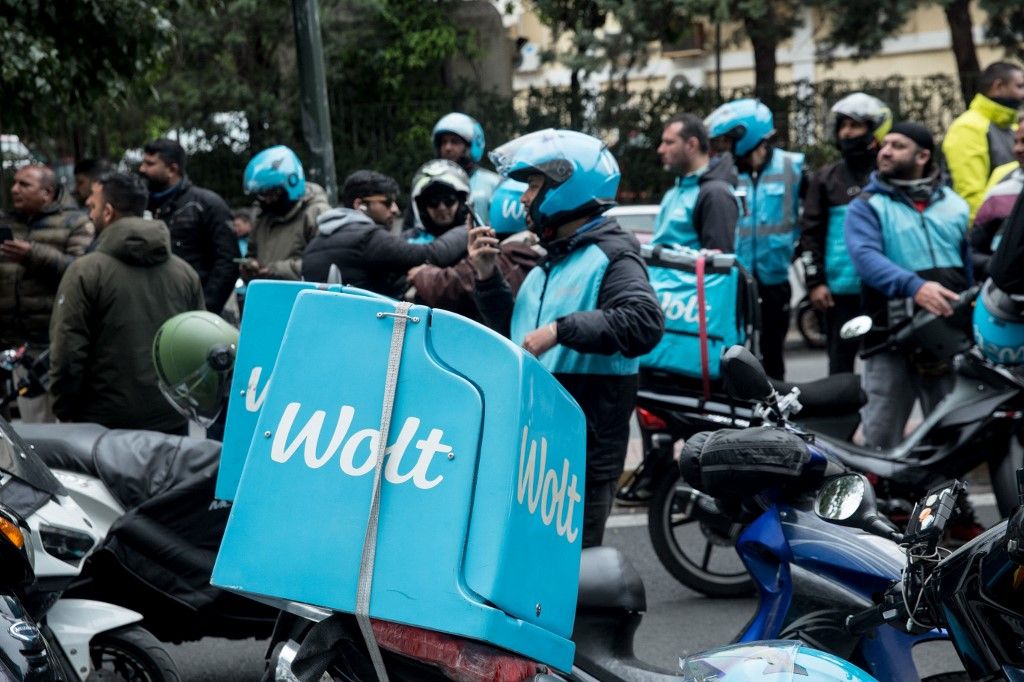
pixel 869 619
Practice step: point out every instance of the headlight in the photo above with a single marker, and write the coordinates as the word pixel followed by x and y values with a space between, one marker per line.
pixel 67 545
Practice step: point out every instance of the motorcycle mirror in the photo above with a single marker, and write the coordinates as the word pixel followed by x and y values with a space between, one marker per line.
pixel 843 498
pixel 849 500
pixel 744 376
pixel 857 327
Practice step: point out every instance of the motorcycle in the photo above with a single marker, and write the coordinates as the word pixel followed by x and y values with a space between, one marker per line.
pixel 610 605
pixel 979 422
pixel 151 499
pixel 973 591
pixel 85 637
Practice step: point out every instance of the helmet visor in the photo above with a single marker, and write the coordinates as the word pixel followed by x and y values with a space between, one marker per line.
pixel 199 396
pixel 504 157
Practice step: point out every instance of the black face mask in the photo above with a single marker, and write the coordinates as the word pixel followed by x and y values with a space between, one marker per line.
pixel 278 205
pixel 1011 102
pixel 858 152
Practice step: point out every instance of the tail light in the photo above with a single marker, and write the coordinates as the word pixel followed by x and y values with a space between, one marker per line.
pixel 460 659
pixel 650 421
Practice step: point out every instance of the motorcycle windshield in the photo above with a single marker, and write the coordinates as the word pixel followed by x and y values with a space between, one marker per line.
pixel 774 661
pixel 17 459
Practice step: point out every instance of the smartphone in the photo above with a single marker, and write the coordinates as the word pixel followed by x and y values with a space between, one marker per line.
pixel 6 234
pixel 241 261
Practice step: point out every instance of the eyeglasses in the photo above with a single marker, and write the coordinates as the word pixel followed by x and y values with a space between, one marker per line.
pixel 434 202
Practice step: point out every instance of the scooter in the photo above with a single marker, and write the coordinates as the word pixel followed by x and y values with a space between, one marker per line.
pixel 83 636
pixel 609 610
pixel 150 497
pixel 808 573
pixel 974 591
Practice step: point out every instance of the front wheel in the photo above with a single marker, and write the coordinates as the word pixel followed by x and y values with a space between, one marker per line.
pixel 695 541
pixel 131 654
pixel 810 322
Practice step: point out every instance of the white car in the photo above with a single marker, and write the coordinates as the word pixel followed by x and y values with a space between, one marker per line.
pixel 637 219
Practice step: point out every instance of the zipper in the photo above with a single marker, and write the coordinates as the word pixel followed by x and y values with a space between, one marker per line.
pixel 543 290
pixel 928 237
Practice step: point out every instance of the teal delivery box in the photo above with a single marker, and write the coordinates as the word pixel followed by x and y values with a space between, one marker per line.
pixel 481 497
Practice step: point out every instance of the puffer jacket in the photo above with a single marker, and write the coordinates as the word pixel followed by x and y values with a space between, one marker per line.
pixel 110 305
pixel 977 142
pixel 278 242
pixel 369 256
pixel 27 289
pixel 202 235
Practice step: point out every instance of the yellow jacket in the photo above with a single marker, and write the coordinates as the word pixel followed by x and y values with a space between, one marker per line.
pixel 978 141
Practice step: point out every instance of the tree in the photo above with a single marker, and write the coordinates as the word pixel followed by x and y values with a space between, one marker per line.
pixel 61 57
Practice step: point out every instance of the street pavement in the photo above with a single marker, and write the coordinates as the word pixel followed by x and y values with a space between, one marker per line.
pixel 678 620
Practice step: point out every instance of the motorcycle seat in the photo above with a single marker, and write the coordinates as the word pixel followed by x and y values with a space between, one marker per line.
pixel 134 465
pixel 609 581
pixel 64 446
pixel 833 395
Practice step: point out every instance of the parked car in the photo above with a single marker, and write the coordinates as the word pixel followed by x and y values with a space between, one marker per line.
pixel 637 219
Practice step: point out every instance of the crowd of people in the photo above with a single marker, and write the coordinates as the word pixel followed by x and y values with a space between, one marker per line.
pixel 529 252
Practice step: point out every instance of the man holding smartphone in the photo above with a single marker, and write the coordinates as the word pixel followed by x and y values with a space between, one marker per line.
pixel 38 241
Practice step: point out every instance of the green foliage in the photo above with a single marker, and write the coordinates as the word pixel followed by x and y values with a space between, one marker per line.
pixel 1006 24
pixel 61 57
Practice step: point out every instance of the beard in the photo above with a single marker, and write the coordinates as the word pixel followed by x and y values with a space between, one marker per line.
pixel 903 170
pixel 156 185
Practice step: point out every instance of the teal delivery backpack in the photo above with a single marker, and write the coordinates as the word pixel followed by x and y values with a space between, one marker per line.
pixel 710 303
pixel 412 466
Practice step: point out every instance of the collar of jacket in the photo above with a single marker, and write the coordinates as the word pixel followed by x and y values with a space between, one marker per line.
pixel 877 184
pixel 1004 117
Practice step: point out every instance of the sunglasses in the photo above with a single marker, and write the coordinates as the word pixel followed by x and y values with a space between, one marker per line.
pixel 434 202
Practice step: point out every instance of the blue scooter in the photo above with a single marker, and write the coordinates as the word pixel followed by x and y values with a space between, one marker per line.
pixel 810 574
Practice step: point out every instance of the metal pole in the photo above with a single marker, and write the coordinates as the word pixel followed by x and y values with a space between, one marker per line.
pixel 718 58
pixel 316 116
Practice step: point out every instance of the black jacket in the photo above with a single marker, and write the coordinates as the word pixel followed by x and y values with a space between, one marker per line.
pixel 202 236
pixel 834 185
pixel 628 320
pixel 369 256
pixel 716 212
pixel 1005 266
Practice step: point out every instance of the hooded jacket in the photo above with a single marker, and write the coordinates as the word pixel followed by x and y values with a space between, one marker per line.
pixel 27 289
pixel 278 242
pixel 109 307
pixel 604 322
pixel 978 141
pixel 700 211
pixel 202 235
pixel 369 256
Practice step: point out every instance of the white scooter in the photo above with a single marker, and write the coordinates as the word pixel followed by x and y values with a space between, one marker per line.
pixel 88 636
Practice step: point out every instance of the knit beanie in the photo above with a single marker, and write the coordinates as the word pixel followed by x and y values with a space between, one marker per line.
pixel 916 132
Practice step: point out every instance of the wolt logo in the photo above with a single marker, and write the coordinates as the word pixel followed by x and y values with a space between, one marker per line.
pixel 542 489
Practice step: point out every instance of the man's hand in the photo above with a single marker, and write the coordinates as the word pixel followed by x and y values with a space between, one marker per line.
pixel 483 252
pixel 935 298
pixel 541 340
pixel 15 250
pixel 411 275
pixel 252 269
pixel 821 297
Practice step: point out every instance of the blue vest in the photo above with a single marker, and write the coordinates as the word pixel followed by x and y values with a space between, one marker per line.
pixel 766 236
pixel 840 274
pixel 568 286
pixel 420 236
pixel 482 184
pixel 674 223
pixel 922 241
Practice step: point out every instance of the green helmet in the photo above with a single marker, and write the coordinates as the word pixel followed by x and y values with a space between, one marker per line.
pixel 194 354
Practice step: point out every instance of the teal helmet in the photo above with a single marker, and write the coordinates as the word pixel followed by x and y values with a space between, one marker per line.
pixel 275 167
pixel 999 325
pixel 466 127
pixel 507 213
pixel 194 354
pixel 747 122
pixel 581 177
